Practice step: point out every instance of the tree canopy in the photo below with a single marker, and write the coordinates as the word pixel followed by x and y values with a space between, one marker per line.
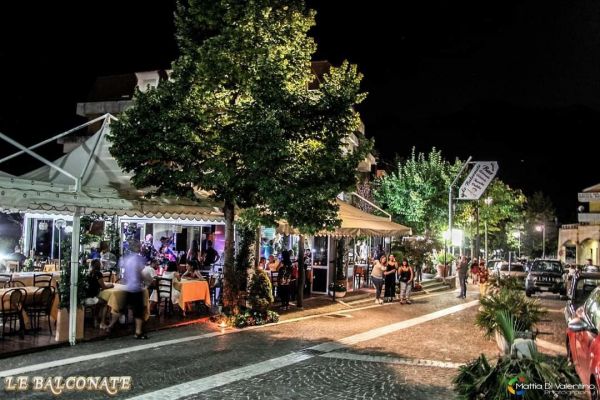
pixel 236 117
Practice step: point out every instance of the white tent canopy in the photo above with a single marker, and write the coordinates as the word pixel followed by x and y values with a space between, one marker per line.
pixel 103 188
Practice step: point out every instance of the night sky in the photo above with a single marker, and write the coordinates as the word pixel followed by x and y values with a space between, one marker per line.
pixel 512 81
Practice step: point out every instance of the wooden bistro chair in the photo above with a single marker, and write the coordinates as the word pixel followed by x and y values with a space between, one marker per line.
pixel 359 275
pixel 107 276
pixel 42 279
pixel 164 288
pixel 41 306
pixel 11 310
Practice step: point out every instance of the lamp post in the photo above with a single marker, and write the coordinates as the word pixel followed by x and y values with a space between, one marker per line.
pixel 60 224
pixel 488 202
pixel 542 228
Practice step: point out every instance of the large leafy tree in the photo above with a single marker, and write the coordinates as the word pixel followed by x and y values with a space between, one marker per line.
pixel 503 214
pixel 417 192
pixel 237 118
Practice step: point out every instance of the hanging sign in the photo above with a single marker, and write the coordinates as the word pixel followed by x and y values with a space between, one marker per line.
pixel 478 180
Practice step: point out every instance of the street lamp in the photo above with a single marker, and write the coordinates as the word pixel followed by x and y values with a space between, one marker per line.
pixel 60 224
pixel 542 228
pixel 488 202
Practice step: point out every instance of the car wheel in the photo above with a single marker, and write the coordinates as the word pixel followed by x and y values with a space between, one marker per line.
pixel 593 389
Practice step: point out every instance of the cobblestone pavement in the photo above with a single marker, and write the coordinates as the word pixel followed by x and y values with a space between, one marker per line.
pixel 200 354
pixel 324 378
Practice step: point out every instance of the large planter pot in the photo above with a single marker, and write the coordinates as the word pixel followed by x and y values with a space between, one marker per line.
pixel 338 295
pixel 62 324
pixel 427 276
pixel 441 271
pixel 502 343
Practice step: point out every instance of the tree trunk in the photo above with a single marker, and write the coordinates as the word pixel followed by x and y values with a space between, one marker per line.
pixel 301 272
pixel 229 289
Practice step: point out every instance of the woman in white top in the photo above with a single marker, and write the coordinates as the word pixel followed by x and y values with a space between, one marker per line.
pixel 377 277
pixel 170 273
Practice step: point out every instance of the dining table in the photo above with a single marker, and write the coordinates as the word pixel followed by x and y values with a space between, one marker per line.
pixel 29 298
pixel 116 298
pixel 192 290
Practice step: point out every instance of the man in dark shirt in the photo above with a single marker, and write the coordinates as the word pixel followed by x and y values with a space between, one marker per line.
pixel 211 256
pixel 462 269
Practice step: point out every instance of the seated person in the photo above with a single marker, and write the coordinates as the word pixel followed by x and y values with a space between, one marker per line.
pixel 95 283
pixel 170 273
pixel 192 271
pixel 148 274
pixel 273 264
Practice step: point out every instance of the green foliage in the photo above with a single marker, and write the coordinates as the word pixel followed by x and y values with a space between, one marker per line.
pixel 244 258
pixel 417 193
pixel 260 291
pixel 526 312
pixel 64 286
pixel 539 211
pixel 481 380
pixel 443 257
pixel 250 317
pixel 337 287
pixel 236 118
pixel 339 260
pixel 417 250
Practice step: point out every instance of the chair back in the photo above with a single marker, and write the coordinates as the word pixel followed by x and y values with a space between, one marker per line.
pixel 12 266
pixel 164 285
pixel 107 276
pixel 42 297
pixel 42 279
pixel 12 301
pixel 16 284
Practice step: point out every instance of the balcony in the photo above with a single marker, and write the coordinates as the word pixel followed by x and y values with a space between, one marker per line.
pixel 587 197
pixel 589 218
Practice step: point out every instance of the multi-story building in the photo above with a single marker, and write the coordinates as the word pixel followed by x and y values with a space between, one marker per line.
pixel 580 242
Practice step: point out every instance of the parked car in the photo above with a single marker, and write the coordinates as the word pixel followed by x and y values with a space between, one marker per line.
pixel 578 290
pixel 583 342
pixel 545 276
pixel 493 264
pixel 514 270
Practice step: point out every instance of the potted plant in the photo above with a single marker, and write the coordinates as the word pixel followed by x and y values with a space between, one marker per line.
pixel 443 261
pixel 525 312
pixel 260 292
pixel 338 288
pixel 28 265
pixel 64 291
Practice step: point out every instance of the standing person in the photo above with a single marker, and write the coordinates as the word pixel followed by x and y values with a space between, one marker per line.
pixel 148 249
pixel 484 276
pixel 274 263
pixel 418 270
pixel 134 263
pixel 474 271
pixel 284 279
pixel 194 252
pixel 390 281
pixel 406 277
pixel 379 268
pixel 211 256
pixel 462 271
pixel 392 262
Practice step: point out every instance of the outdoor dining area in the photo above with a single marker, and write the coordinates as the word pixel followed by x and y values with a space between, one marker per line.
pixel 30 307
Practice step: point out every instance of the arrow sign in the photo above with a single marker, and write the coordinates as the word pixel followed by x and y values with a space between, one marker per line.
pixel 478 180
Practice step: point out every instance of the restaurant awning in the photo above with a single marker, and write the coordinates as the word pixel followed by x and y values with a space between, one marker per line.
pixel 356 222
pixel 103 188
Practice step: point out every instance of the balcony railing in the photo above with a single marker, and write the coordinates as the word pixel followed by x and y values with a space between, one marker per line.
pixel 592 218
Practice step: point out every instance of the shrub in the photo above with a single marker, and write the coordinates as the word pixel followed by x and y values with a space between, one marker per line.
pixel 260 291
pixel 526 312
pixel 481 380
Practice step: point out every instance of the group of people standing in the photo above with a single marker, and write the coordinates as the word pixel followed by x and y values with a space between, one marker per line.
pixel 479 273
pixel 386 272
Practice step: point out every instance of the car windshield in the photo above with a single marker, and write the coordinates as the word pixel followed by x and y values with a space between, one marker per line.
pixel 513 267
pixel 547 266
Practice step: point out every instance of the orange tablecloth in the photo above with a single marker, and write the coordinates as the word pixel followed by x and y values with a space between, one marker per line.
pixel 116 298
pixel 192 290
pixel 27 277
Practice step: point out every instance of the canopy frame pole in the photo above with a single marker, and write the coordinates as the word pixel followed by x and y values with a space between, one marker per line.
pixel 93 151
pixel 73 300
pixel 53 138
pixel 373 205
pixel 42 159
pixel 450 211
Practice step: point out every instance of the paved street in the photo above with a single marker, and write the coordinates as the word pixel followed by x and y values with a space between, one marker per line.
pixel 357 351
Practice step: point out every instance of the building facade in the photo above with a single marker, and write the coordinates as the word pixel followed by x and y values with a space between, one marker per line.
pixel 580 242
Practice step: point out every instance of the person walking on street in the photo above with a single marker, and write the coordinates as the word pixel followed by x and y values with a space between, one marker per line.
pixel 390 279
pixel 284 278
pixel 377 277
pixel 406 277
pixel 484 276
pixel 462 271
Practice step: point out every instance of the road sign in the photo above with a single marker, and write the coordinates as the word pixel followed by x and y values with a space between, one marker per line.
pixel 478 180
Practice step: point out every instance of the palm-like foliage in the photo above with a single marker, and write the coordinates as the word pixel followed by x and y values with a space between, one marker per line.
pixel 526 312
pixel 481 380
